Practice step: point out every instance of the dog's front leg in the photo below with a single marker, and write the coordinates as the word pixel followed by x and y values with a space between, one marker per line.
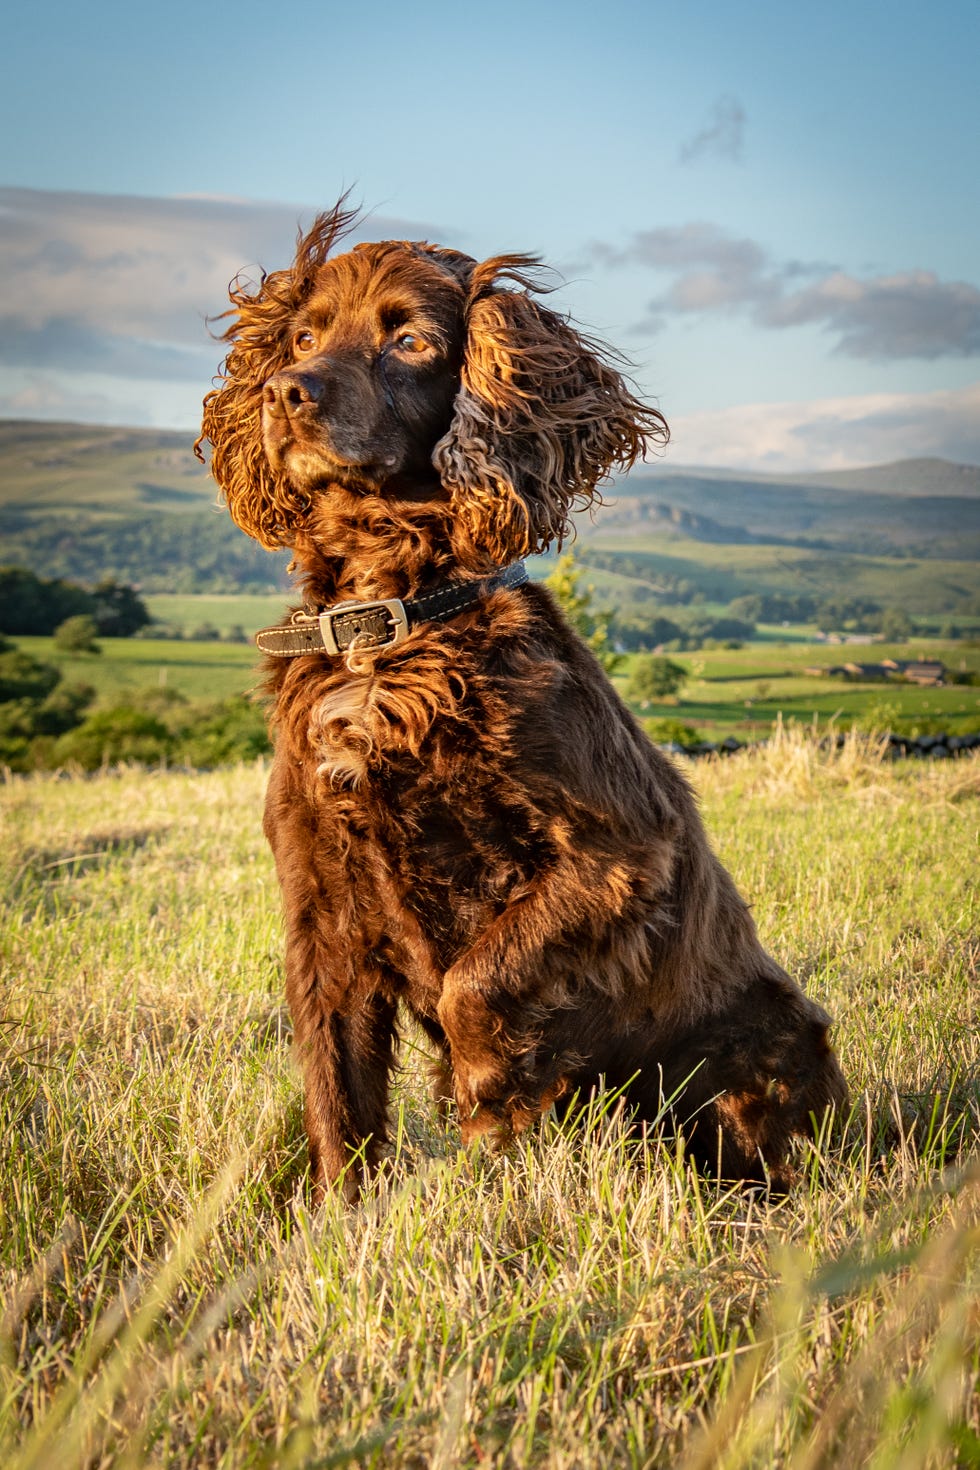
pixel 496 997
pixel 345 1043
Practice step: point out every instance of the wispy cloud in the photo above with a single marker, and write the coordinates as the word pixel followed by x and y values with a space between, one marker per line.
pixel 722 136
pixel 832 433
pixel 911 314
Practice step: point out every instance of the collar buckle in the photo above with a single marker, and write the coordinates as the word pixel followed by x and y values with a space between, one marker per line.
pixel 379 624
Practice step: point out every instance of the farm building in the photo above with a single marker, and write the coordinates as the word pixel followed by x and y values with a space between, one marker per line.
pixel 925 671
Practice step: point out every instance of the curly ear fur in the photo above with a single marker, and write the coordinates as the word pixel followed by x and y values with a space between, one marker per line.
pixel 541 418
pixel 265 506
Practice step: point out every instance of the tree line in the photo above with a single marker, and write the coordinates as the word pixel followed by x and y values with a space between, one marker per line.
pixel 661 611
pixel 33 605
pixel 47 722
pixel 197 551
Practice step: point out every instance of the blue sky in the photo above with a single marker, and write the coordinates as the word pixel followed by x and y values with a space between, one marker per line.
pixel 774 211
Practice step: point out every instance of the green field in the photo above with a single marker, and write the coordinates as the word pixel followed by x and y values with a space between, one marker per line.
pixel 574 1304
pixel 250 612
pixel 204 671
pixel 741 691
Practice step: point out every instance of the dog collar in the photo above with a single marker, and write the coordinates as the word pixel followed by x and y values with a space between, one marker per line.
pixel 382 622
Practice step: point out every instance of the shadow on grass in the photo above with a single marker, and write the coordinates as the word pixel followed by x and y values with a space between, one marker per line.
pixel 39 873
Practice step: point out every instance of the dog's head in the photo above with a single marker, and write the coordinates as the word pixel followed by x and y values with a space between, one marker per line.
pixel 405 369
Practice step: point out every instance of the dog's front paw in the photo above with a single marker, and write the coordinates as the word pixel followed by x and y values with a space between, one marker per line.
pixel 482 1062
pixel 499 1082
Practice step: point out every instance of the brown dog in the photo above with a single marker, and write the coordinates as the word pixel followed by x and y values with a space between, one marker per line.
pixel 466 821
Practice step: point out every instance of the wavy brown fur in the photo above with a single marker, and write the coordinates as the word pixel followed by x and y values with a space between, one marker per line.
pixel 541 418
pixel 470 826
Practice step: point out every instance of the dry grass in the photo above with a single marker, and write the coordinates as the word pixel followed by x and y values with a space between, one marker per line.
pixel 170 1300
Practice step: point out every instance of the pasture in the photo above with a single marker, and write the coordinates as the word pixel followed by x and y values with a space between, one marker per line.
pixel 583 1300
pixel 127 666
pixel 728 691
pixel 743 691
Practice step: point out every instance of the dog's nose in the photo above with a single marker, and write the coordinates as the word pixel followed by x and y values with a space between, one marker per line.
pixel 287 392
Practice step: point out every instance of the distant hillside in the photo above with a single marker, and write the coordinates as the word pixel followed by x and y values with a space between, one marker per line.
pixel 76 467
pixel 925 508
pixel 939 477
pixel 900 477
pixel 83 502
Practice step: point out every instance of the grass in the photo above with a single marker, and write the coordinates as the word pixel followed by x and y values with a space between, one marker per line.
pixel 579 1301
pixel 203 671
pixel 248 611
pixel 741 691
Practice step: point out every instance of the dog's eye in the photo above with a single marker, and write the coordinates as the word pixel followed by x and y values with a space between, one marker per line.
pixel 303 342
pixel 410 342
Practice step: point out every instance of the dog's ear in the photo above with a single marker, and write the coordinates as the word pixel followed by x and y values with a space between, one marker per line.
pixel 541 418
pixel 263 504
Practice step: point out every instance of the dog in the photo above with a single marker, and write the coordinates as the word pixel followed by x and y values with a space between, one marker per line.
pixel 468 825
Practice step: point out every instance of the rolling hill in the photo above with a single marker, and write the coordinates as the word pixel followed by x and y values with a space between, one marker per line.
pixel 83 501
pixel 926 508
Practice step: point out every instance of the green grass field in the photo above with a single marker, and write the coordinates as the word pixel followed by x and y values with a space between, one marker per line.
pixel 576 1302
pixel 250 612
pixel 741 691
pixel 125 666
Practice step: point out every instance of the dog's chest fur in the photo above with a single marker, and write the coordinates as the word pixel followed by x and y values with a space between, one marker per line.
pixel 414 783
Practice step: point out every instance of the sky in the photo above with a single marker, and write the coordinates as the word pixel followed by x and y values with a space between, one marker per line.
pixel 773 210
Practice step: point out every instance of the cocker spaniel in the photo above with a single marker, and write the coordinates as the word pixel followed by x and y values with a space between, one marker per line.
pixel 467 822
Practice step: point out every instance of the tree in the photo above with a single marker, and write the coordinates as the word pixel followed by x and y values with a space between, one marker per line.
pixel 23 677
pixel 231 730
pixel 638 631
pixel 119 612
pixel 29 604
pixel 895 625
pixel 34 706
pixel 654 677
pixel 590 624
pixel 119 734
pixel 855 614
pixel 77 635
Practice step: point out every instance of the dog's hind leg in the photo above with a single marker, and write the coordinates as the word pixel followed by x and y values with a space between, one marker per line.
pixel 761 1072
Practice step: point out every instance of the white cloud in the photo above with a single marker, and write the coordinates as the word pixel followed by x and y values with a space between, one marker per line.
pixel 910 314
pixel 832 433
